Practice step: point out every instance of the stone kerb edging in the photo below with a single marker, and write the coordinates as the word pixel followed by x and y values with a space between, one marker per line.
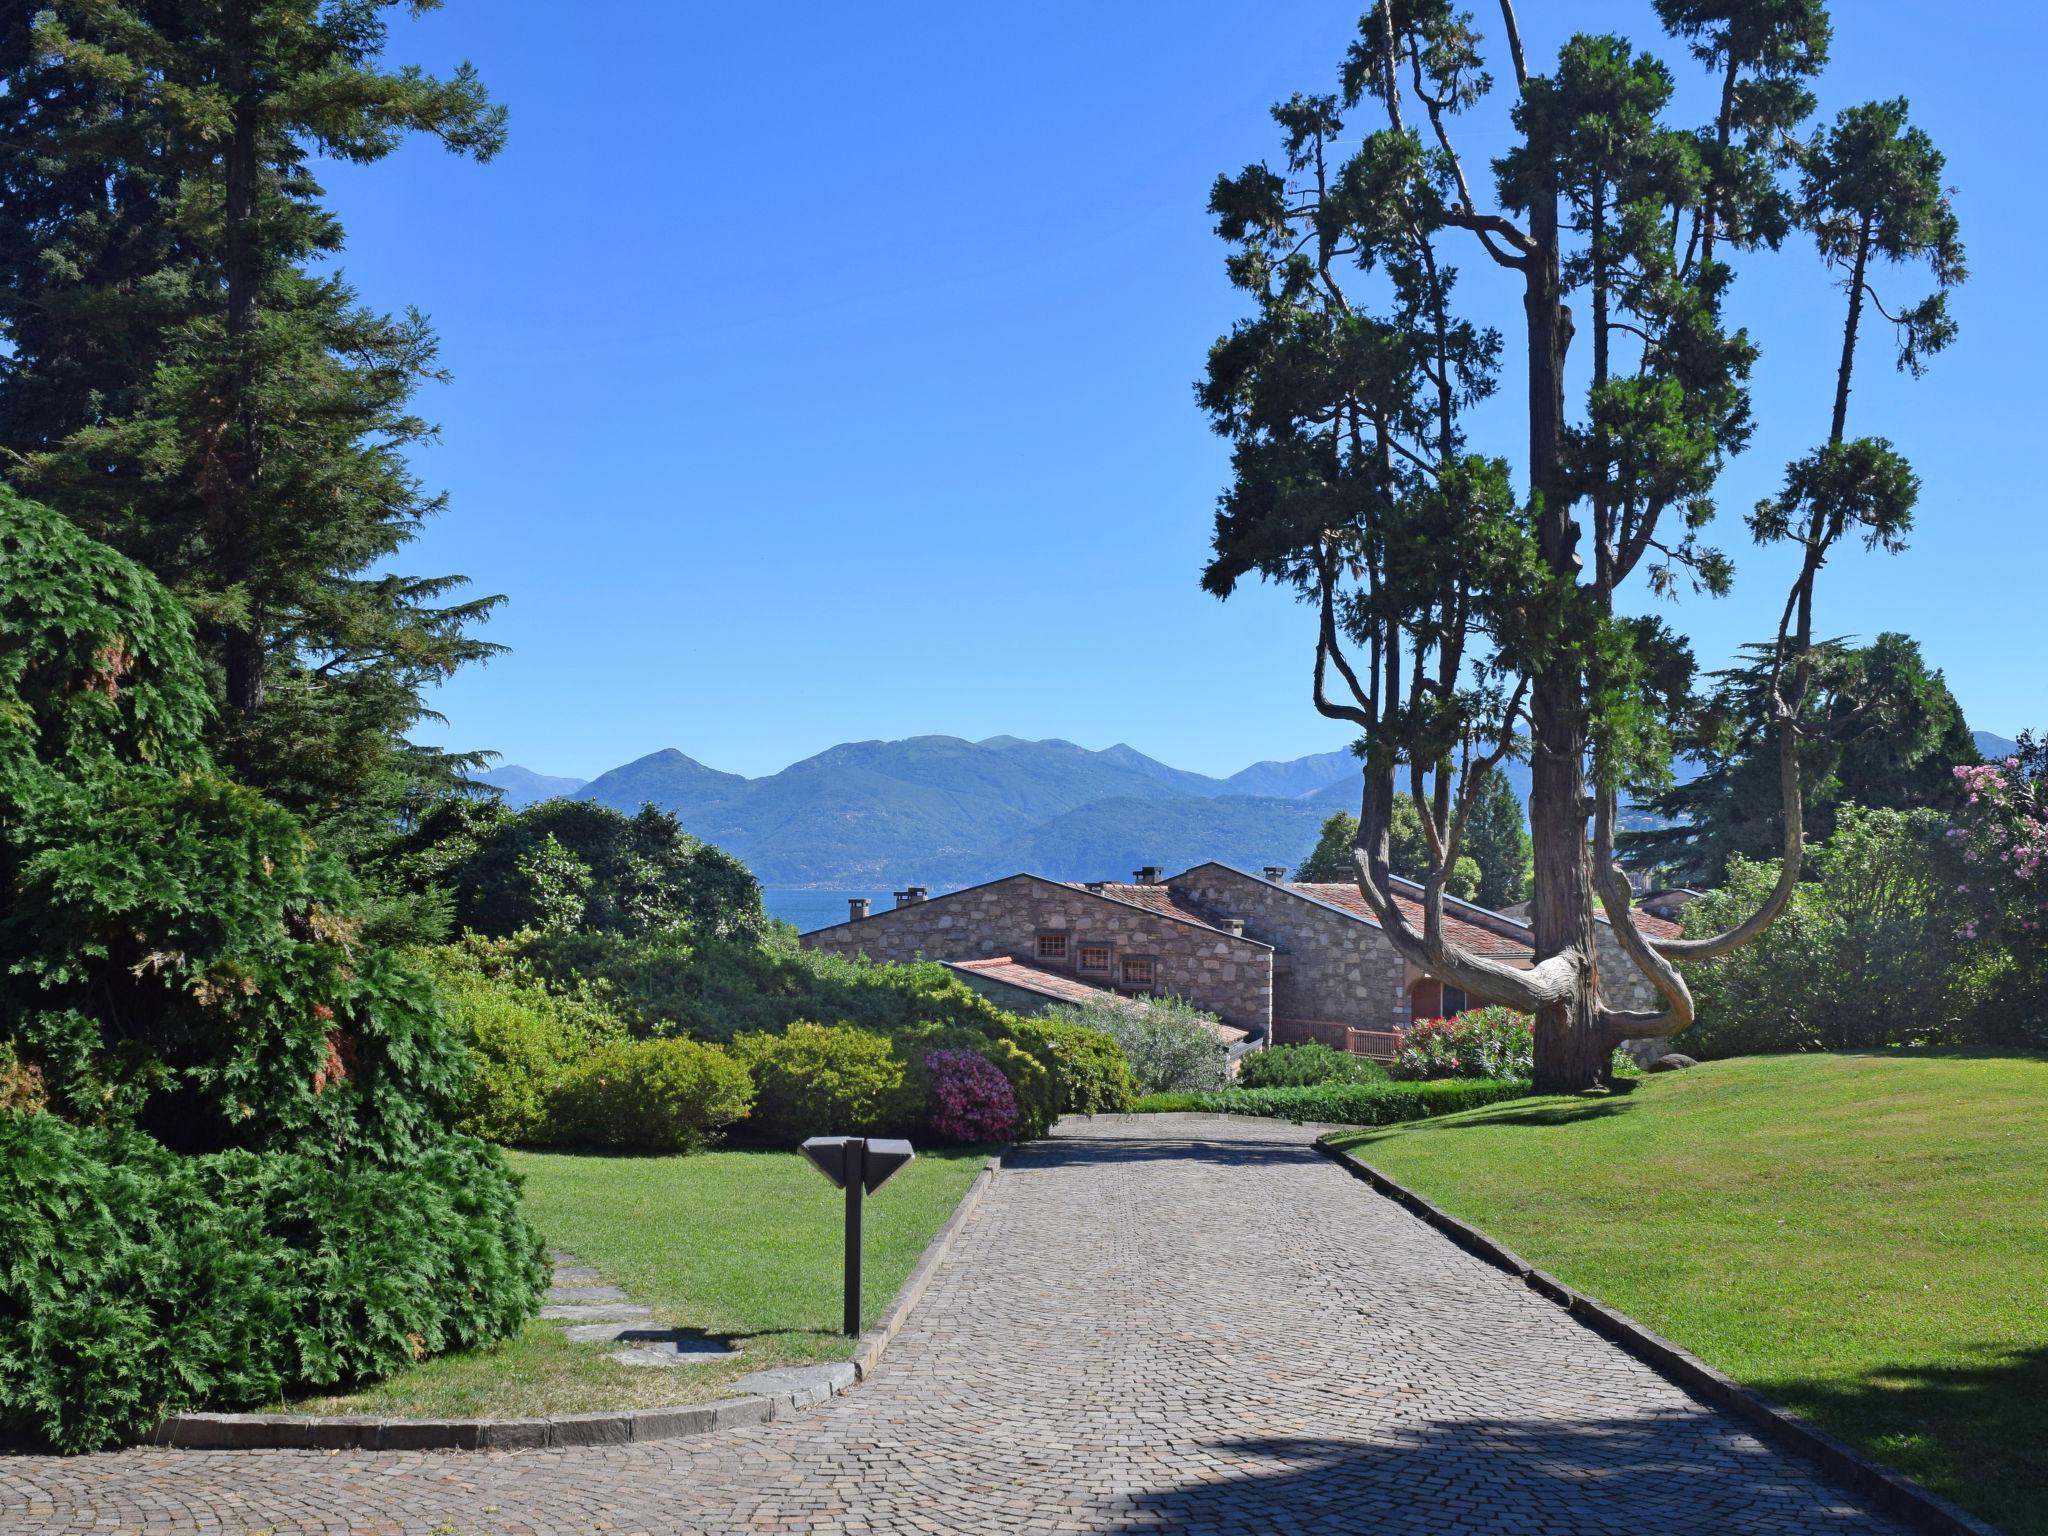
pixel 1894 1493
pixel 781 1392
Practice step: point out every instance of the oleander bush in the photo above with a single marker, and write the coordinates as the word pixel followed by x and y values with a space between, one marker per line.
pixel 669 1095
pixel 1490 1042
pixel 1383 1103
pixel 1172 1046
pixel 971 1098
pixel 1306 1066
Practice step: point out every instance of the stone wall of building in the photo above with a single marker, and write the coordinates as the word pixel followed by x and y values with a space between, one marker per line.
pixel 1622 983
pixel 1217 972
pixel 1328 966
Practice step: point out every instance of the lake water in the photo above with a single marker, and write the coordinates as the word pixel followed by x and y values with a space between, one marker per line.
pixel 817 909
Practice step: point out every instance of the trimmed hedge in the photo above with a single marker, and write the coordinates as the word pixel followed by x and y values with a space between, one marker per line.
pixel 1306 1066
pixel 1343 1103
pixel 135 1283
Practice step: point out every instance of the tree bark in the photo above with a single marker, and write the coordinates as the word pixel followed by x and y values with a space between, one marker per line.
pixel 1570 1048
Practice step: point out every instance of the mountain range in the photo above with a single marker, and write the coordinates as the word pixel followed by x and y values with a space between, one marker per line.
pixel 941 811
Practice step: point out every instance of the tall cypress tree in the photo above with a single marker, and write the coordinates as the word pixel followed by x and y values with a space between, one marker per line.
pixel 193 383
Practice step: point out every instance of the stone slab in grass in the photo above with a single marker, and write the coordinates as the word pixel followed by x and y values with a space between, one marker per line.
pixel 577 1274
pixel 597 1312
pixel 561 1293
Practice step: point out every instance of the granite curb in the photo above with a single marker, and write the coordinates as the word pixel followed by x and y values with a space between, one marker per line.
pixel 1893 1492
pixel 786 1391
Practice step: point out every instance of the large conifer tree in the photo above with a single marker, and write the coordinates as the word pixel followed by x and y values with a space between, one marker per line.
pixel 1467 610
pixel 194 383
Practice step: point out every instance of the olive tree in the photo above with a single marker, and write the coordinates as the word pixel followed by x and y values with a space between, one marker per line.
pixel 1466 609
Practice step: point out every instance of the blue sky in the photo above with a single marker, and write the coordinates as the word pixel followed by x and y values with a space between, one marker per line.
pixel 824 372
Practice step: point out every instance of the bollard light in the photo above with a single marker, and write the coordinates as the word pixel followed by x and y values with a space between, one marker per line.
pixel 859 1165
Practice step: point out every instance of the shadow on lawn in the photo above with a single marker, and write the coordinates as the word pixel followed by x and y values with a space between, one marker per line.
pixel 1975 1433
pixel 1672 1473
pixel 1545 1113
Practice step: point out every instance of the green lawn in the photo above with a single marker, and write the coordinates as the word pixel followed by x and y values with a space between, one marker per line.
pixel 1863 1238
pixel 744 1246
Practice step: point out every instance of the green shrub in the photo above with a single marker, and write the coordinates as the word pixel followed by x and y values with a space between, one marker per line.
pixel 136 1283
pixel 1171 1045
pixel 1088 1073
pixel 1383 1103
pixel 1306 1066
pixel 652 1095
pixel 828 1080
pixel 524 1040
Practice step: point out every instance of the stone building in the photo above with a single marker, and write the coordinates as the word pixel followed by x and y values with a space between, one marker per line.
pixel 1280 960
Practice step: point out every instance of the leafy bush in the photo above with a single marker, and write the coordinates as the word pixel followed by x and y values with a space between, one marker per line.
pixel 718 990
pixel 651 1095
pixel 1865 954
pixel 525 1041
pixel 1171 1045
pixel 1305 1066
pixel 1492 1042
pixel 971 1099
pixel 827 1080
pixel 1345 1103
pixel 1088 1071
pixel 137 1283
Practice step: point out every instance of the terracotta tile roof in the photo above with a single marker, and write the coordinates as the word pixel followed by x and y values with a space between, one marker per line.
pixel 1481 941
pixel 1065 988
pixel 1406 892
pixel 1153 898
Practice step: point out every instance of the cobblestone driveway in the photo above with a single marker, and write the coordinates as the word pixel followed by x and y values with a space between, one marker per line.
pixel 1150 1325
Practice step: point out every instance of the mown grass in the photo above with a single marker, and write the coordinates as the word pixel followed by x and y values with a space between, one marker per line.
pixel 741 1246
pixel 1864 1238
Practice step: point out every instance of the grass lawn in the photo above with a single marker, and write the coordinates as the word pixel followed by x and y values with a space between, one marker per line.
pixel 744 1246
pixel 1863 1238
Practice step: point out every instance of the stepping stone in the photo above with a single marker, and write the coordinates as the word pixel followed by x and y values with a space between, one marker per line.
pixel 626 1331
pixel 576 1274
pixel 585 1293
pixel 597 1312
pixel 562 1256
pixel 660 1348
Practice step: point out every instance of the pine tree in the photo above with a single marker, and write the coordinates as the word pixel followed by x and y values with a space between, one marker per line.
pixel 194 384
pixel 1498 838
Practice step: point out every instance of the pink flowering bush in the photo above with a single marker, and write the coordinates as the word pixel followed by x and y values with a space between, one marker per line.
pixel 1492 1042
pixel 2001 835
pixel 971 1099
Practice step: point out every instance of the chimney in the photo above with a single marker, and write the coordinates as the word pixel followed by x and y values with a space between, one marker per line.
pixel 1149 875
pixel 910 896
pixel 856 908
pixel 1234 926
pixel 1277 873
pixel 1094 887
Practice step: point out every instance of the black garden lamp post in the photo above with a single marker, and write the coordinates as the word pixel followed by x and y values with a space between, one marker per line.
pixel 860 1165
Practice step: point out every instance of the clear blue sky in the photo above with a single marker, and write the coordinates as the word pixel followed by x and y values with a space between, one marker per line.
pixel 823 372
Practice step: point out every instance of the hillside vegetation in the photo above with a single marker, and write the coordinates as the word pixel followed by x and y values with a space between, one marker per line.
pixel 1863 1238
